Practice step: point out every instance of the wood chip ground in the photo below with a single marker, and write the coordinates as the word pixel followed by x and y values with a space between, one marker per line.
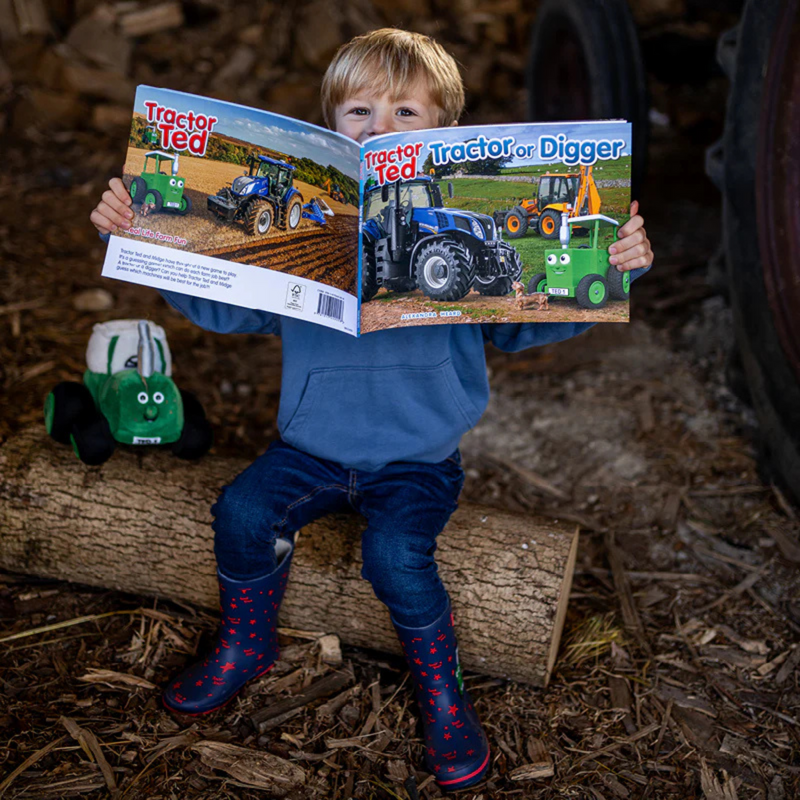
pixel 679 673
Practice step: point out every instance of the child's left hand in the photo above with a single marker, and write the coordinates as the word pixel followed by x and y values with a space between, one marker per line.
pixel 632 249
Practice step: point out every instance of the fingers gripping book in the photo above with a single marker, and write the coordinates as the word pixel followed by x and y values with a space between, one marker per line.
pixel 501 223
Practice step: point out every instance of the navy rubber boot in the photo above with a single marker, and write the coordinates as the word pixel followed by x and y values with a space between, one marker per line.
pixel 246 645
pixel 456 749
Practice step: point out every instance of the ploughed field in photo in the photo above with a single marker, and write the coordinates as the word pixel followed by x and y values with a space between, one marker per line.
pixel 324 253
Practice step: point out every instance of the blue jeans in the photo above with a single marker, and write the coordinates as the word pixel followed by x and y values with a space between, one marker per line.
pixel 406 505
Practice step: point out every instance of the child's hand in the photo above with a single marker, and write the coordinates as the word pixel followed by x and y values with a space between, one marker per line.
pixel 113 211
pixel 632 249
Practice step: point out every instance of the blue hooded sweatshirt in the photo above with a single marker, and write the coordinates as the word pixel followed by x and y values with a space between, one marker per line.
pixel 406 394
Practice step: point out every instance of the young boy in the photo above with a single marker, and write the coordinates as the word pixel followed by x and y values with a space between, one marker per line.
pixel 371 424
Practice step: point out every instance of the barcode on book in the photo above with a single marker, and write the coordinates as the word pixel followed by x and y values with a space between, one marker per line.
pixel 330 306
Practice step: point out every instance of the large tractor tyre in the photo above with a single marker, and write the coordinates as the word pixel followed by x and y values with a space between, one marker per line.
pixel 185 206
pixel 294 213
pixel 592 292
pixel 444 270
pixel 152 197
pixel 369 272
pixel 67 402
pixel 258 219
pixel 619 283
pixel 538 283
pixel 592 49
pixel 549 225
pixel 757 170
pixel 91 439
pixel 516 223
pixel 137 190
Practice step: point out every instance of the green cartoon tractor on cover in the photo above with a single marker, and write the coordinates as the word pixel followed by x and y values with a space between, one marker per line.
pixel 583 272
pixel 127 396
pixel 159 187
pixel 150 135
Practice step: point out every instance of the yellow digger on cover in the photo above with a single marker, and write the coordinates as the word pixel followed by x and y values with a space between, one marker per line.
pixel 572 192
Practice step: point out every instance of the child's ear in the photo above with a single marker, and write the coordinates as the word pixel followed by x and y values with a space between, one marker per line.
pixel 454 123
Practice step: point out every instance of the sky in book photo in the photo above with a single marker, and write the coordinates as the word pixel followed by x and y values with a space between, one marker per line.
pixel 299 139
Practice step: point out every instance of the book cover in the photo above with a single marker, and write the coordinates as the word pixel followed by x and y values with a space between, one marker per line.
pixel 503 223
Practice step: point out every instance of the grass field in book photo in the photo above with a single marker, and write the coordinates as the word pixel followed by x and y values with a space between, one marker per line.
pixel 525 204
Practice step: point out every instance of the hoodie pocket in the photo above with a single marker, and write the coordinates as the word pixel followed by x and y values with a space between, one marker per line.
pixel 368 416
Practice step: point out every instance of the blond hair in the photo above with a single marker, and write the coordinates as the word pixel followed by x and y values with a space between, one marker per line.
pixel 390 61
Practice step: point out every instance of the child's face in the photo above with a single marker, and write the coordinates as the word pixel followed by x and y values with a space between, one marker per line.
pixel 366 114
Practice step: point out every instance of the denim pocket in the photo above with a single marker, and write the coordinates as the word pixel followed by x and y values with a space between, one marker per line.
pixel 368 416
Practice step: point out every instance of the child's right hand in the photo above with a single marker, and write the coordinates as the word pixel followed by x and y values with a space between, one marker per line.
pixel 114 209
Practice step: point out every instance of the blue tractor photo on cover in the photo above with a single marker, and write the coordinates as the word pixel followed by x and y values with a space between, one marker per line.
pixel 263 197
pixel 411 241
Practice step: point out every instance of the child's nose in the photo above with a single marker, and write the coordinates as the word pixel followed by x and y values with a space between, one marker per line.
pixel 381 123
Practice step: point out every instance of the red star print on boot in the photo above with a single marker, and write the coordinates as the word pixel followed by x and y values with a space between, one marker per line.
pixel 246 645
pixel 456 749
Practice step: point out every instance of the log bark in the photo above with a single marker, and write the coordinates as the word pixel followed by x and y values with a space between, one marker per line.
pixel 141 524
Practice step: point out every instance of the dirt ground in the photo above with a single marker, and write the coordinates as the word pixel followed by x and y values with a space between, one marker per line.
pixel 678 674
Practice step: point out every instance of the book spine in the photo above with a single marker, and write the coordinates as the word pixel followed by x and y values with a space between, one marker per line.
pixel 361 172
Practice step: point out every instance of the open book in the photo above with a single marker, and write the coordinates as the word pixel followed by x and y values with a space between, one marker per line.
pixel 500 223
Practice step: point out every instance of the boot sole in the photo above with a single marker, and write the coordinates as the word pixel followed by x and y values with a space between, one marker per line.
pixel 221 705
pixel 474 777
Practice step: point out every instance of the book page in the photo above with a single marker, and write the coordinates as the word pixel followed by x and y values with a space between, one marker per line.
pixel 504 223
pixel 240 206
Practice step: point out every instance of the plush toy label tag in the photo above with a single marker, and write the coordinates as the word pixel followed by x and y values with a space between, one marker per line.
pixel 146 440
pixel 459 675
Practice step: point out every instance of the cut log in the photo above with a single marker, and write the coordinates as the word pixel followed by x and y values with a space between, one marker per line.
pixel 141 524
pixel 155 19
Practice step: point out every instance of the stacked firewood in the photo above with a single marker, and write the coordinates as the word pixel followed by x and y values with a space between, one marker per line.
pixel 75 65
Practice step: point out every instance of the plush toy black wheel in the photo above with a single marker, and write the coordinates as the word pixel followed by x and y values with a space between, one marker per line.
pixel 196 438
pixel 66 403
pixel 91 439
pixel 192 408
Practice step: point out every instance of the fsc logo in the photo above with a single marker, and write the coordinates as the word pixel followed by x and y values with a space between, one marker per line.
pixel 295 296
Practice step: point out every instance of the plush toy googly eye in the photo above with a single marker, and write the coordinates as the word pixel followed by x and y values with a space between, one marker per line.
pixel 551 259
pixel 565 259
pixel 172 181
pixel 142 397
pixel 158 398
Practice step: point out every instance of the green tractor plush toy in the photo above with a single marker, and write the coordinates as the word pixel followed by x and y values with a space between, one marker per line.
pixel 127 396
